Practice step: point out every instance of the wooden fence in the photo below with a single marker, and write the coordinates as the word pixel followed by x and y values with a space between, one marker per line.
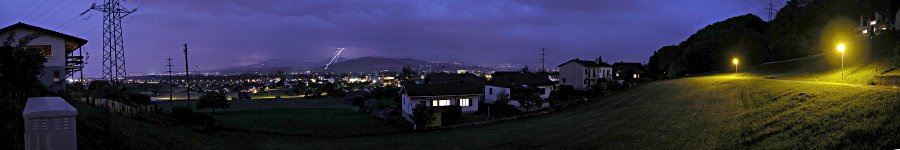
pixel 117 107
pixel 887 80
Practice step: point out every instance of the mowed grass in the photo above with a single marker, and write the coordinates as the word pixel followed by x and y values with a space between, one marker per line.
pixel 317 122
pixel 713 112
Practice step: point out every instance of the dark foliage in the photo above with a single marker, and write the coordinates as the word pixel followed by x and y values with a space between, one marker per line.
pixel 422 115
pixel 187 117
pixel 19 68
pixel 213 100
pixel 103 89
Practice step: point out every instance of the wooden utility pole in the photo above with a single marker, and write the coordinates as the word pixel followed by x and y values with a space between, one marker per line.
pixel 171 81
pixel 542 60
pixel 187 73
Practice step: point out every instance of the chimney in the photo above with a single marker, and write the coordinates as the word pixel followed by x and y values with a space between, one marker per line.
pixel 599 59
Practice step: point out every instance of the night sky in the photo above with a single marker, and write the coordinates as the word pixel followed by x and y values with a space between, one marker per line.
pixel 232 33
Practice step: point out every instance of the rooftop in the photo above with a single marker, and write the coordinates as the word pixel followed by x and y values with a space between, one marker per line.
pixel 439 89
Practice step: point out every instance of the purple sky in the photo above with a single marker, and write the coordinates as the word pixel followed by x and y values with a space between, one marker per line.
pixel 231 33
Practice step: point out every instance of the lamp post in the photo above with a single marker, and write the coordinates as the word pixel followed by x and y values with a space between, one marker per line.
pixel 840 48
pixel 735 61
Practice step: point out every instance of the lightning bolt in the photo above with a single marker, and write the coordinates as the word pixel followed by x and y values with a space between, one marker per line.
pixel 336 54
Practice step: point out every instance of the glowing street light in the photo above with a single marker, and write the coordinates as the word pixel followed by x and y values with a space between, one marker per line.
pixel 735 61
pixel 840 48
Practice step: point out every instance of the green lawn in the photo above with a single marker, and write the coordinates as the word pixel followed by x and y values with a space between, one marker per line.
pixel 320 122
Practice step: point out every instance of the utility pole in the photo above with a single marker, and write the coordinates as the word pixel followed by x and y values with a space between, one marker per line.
pixel 542 59
pixel 187 73
pixel 771 10
pixel 169 66
pixel 113 44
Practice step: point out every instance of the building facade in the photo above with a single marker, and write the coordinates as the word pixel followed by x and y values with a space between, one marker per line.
pixel 581 74
pixel 58 48
pixel 465 96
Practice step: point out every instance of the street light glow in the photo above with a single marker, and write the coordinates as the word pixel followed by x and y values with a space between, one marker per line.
pixel 735 61
pixel 841 47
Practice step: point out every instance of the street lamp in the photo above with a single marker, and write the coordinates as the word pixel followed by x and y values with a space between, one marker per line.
pixel 735 61
pixel 840 48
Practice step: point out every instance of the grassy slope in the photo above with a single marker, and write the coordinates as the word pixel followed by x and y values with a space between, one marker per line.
pixel 700 112
pixel 308 122
pixel 859 67
pixel 809 110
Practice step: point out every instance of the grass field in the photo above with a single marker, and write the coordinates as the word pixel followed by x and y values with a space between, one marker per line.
pixel 327 122
pixel 720 111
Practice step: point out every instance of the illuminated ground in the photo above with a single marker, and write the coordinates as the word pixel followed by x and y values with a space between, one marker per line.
pixel 721 111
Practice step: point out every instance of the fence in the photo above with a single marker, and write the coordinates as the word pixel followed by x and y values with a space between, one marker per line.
pixel 117 107
pixel 887 80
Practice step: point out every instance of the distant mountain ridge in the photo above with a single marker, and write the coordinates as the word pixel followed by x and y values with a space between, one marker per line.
pixel 362 64
pixel 376 64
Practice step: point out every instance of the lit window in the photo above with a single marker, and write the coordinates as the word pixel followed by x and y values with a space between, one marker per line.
pixel 464 102
pixel 56 76
pixel 440 103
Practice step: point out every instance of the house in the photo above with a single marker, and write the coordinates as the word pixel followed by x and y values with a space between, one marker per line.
pixel 627 71
pixel 897 20
pixel 443 97
pixel 874 26
pixel 515 82
pixel 58 48
pixel 581 74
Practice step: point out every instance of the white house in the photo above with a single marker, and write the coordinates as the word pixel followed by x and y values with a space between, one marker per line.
pixel 897 20
pixel 514 82
pixel 57 47
pixel 581 74
pixel 435 96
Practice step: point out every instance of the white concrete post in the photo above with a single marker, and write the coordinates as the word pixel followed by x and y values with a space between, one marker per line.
pixel 49 124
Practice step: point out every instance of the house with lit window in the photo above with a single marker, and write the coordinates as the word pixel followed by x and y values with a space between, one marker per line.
pixel 581 74
pixel 63 52
pixel 514 83
pixel 628 72
pixel 446 99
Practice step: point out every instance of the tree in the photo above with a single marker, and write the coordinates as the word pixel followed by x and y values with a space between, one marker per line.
pixel 213 100
pixel 502 97
pixel 407 74
pixel 19 67
pixel 528 98
pixel 18 81
pixel 525 70
pixel 422 115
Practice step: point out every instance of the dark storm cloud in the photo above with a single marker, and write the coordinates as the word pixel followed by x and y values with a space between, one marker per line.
pixel 224 33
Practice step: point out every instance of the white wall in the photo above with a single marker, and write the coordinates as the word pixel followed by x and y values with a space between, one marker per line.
pixel 572 74
pixel 409 103
pixel 56 63
pixel 491 97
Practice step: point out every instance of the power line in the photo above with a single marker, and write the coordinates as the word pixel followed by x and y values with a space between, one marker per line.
pixel 55 11
pixel 39 6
